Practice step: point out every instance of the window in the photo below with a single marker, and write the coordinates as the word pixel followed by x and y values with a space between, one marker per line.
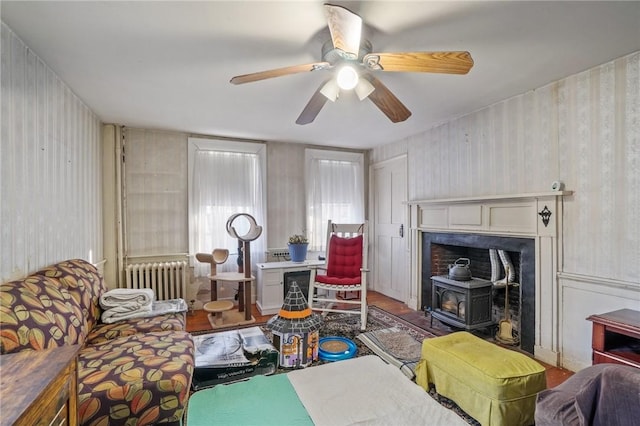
pixel 225 178
pixel 335 191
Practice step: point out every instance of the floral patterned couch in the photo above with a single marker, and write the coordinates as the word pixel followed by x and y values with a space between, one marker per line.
pixel 134 372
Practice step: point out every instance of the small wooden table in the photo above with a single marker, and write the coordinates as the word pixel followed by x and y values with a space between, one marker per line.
pixel 616 337
pixel 39 387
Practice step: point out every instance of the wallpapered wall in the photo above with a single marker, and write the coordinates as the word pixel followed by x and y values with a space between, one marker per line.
pixel 50 162
pixel 583 130
pixel 156 154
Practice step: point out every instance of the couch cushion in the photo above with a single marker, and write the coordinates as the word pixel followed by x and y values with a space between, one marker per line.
pixel 83 281
pixel 37 313
pixel 102 333
pixel 603 394
pixel 141 379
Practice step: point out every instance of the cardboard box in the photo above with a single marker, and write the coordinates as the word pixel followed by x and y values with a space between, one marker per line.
pixel 230 356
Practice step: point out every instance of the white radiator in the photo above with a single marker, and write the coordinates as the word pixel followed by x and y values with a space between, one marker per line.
pixel 168 280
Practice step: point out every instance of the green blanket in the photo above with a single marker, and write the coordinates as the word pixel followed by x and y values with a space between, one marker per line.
pixel 272 400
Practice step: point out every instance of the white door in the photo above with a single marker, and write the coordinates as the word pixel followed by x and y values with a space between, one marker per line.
pixel 390 259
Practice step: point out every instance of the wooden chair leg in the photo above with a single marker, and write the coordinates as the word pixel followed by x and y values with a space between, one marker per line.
pixel 363 309
pixel 310 294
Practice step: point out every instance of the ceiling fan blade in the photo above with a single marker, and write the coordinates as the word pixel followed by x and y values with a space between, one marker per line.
pixel 279 72
pixel 387 101
pixel 438 62
pixel 346 29
pixel 313 107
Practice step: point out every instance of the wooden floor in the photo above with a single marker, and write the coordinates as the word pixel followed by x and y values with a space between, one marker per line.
pixel 198 321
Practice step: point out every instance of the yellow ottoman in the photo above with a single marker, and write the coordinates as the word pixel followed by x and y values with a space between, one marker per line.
pixel 495 386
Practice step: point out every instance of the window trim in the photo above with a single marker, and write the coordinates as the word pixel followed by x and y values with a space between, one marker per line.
pixel 325 154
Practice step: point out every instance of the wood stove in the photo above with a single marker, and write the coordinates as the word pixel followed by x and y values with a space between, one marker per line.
pixel 439 250
pixel 462 304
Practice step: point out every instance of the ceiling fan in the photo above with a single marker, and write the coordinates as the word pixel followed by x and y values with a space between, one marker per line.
pixel 356 64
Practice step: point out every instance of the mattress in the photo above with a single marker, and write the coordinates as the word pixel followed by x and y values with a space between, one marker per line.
pixel 358 391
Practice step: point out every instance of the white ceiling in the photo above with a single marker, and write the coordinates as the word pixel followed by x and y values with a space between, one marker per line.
pixel 167 65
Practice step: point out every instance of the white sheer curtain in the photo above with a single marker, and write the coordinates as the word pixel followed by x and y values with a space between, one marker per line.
pixel 335 190
pixel 225 183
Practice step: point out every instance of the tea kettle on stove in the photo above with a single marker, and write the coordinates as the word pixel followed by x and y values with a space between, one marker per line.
pixel 459 270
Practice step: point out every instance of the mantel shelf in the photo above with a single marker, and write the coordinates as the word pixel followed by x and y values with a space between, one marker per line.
pixel 529 195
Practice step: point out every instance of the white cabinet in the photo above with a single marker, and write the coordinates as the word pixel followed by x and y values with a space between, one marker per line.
pixel 270 284
pixel 270 287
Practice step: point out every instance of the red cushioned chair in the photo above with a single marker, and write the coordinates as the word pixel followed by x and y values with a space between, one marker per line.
pixel 345 271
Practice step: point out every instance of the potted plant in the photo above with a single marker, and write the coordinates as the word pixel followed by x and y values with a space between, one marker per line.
pixel 298 244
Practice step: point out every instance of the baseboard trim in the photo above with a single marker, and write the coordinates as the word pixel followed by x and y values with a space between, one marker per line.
pixel 546 355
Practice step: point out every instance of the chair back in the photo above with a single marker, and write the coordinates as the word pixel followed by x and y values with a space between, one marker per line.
pixel 347 252
pixel 346 249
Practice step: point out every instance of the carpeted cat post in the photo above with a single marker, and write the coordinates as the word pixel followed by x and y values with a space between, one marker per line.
pixel 295 330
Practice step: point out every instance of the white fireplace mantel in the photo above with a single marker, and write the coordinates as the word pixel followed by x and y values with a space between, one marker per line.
pixel 524 195
pixel 529 215
pixel 516 214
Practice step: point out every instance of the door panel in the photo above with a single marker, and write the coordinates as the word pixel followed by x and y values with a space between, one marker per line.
pixel 389 210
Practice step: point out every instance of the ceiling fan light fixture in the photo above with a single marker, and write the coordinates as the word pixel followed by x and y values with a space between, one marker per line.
pixel 331 90
pixel 364 89
pixel 349 57
pixel 347 78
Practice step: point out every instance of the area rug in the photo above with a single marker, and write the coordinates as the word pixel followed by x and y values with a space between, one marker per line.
pixel 394 346
pixel 348 325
